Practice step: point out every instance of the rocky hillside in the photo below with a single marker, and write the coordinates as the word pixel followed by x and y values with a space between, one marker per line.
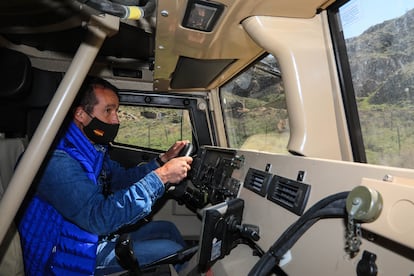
pixel 382 61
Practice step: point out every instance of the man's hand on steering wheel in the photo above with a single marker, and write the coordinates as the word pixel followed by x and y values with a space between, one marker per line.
pixel 173 151
pixel 176 168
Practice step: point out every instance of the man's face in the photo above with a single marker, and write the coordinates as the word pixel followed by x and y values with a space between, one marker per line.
pixel 106 110
pixel 108 104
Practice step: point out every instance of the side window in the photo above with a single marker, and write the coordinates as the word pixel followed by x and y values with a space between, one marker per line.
pixel 150 127
pixel 379 45
pixel 254 108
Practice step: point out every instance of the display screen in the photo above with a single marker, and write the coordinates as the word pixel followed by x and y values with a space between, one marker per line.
pixel 202 15
pixel 218 235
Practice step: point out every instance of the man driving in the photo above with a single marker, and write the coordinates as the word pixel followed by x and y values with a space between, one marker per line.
pixel 82 196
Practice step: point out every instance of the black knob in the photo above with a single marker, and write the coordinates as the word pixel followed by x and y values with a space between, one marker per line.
pixel 366 266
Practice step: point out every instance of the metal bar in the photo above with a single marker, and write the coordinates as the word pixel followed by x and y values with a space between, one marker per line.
pixel 99 28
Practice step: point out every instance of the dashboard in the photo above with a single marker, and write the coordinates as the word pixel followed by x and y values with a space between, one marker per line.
pixel 210 181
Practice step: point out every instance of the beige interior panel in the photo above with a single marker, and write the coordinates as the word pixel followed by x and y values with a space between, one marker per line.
pixel 228 40
pixel 307 79
pixel 396 220
pixel 320 251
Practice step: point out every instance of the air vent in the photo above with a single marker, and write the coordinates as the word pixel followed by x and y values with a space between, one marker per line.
pixel 289 194
pixel 257 181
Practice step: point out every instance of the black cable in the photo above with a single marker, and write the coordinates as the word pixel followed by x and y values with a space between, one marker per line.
pixel 127 2
pixel 280 251
pixel 307 216
pixel 108 7
pixel 332 206
pixel 148 8
pixel 334 209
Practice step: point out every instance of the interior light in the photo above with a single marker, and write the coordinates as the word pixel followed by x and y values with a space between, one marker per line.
pixel 202 15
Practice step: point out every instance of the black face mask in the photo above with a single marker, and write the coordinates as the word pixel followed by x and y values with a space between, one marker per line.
pixel 100 132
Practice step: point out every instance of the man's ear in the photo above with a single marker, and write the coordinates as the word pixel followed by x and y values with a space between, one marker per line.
pixel 80 115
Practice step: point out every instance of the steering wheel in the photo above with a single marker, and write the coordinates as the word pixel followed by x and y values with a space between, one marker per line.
pixel 187 150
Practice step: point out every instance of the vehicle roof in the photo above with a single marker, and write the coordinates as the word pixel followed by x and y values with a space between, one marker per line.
pixel 156 49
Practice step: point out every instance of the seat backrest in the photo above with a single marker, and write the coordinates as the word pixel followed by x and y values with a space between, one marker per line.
pixel 10 151
pixel 11 258
pixel 25 93
pixel 15 77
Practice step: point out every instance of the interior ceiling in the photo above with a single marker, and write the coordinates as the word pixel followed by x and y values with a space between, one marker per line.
pixel 49 25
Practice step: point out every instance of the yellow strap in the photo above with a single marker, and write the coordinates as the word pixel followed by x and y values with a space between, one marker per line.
pixel 135 12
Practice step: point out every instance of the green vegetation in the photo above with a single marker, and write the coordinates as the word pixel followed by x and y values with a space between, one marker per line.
pixel 156 128
pixel 255 110
pixel 270 142
pixel 388 133
pixel 256 123
pixel 382 65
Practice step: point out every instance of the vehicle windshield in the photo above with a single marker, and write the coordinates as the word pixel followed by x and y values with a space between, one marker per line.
pixel 254 108
pixel 156 128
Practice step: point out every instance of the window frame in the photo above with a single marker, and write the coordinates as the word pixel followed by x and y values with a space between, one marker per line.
pixel 346 84
pixel 202 132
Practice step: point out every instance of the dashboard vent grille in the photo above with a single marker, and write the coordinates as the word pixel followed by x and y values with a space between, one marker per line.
pixel 289 194
pixel 257 181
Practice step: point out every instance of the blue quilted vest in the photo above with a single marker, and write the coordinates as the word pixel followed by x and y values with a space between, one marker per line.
pixel 51 244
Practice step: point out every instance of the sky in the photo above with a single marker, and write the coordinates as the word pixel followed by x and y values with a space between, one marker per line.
pixel 359 15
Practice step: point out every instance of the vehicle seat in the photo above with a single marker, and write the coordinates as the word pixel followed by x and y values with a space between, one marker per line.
pixel 161 267
pixel 15 79
pixel 11 258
